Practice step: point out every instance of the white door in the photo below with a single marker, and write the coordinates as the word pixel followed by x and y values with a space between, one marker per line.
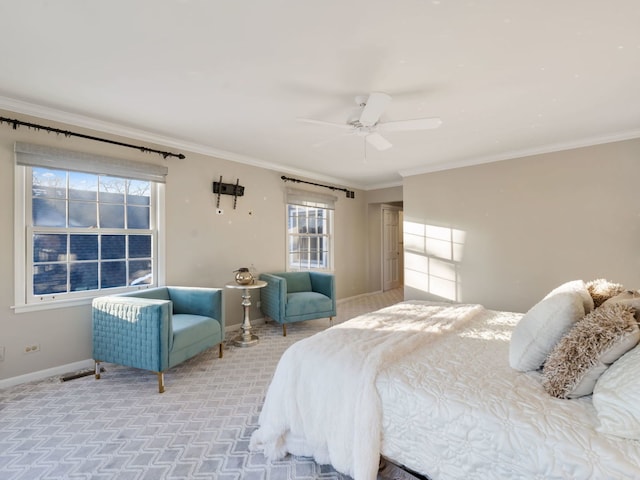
pixel 391 248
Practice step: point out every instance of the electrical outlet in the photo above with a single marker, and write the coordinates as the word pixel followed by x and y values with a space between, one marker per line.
pixel 1 353
pixel 32 348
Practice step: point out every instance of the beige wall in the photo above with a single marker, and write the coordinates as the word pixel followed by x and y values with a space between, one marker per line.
pixel 203 248
pixel 518 228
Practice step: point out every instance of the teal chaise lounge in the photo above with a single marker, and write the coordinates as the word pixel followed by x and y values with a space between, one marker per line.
pixel 297 296
pixel 157 328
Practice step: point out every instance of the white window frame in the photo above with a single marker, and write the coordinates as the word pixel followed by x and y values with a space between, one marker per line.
pixel 310 200
pixel 48 157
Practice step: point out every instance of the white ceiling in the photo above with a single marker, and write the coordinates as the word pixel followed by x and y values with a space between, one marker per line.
pixel 230 78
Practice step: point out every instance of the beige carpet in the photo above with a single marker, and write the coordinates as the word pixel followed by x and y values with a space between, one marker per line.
pixel 119 427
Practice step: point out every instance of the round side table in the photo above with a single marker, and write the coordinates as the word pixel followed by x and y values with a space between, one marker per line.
pixel 246 338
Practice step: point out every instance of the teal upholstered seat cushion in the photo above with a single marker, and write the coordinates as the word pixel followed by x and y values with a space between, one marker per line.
pixel 304 303
pixel 190 329
pixel 191 335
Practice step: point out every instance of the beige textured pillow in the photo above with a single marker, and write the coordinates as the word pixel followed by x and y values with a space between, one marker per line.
pixel 601 290
pixel 582 355
pixel 628 297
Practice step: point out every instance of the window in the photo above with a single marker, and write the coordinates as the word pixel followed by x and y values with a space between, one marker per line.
pixel 309 231
pixel 83 233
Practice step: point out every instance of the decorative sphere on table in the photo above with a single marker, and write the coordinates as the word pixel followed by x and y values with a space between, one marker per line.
pixel 243 276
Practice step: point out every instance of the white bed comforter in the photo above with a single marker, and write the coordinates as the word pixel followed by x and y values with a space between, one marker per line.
pixel 455 410
pixel 429 386
pixel 322 401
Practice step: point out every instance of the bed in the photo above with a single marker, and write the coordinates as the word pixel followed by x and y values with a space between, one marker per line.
pixel 431 386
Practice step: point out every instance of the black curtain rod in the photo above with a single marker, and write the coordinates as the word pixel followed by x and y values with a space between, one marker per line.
pixel 16 123
pixel 350 193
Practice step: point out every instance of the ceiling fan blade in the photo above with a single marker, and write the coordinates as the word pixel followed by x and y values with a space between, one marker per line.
pixel 343 126
pixel 378 141
pixel 407 125
pixel 376 103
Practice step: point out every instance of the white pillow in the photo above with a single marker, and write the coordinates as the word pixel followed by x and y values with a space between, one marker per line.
pixel 578 287
pixel 616 397
pixel 542 327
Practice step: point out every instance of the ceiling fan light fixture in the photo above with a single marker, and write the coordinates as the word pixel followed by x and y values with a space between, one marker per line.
pixel 368 124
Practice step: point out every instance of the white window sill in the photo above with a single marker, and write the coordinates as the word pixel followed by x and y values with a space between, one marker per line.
pixel 49 305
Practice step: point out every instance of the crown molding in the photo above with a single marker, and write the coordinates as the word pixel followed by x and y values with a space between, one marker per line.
pixel 512 155
pixel 57 115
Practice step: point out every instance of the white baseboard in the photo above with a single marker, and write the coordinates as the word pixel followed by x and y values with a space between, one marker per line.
pixel 368 294
pixel 82 365
pixel 236 326
pixel 89 363
pixel 49 372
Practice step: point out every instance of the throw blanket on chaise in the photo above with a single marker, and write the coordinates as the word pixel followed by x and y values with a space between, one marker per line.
pixel 322 401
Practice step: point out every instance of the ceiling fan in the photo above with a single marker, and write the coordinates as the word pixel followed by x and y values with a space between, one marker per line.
pixel 368 124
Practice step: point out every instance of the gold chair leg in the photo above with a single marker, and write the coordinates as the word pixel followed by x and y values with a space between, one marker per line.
pixel 220 354
pixel 331 321
pixel 284 329
pixel 97 370
pixel 161 382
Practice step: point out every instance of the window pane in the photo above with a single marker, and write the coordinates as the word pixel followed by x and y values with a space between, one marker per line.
pixel 138 192
pixel 82 214
pixel 112 189
pixel 138 217
pixel 84 276
pixel 83 186
pixel 84 247
pixel 49 183
pixel 49 247
pixel 114 274
pixel 139 246
pixel 113 246
pixel 49 213
pixel 322 225
pixel 293 243
pixel 49 278
pixel 111 216
pixel 140 272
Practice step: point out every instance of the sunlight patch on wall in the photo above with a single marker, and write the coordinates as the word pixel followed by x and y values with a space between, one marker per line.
pixel 432 256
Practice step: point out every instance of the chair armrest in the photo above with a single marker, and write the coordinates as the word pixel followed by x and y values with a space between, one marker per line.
pixel 323 283
pixel 198 301
pixel 273 297
pixel 132 331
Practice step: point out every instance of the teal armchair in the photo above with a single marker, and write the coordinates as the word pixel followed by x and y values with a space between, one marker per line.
pixel 297 296
pixel 157 328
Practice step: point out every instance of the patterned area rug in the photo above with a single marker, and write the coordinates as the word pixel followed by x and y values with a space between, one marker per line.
pixel 121 427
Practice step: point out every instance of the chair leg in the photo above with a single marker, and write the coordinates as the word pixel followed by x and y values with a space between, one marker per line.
pixel 220 354
pixel 97 370
pixel 331 321
pixel 284 329
pixel 161 382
